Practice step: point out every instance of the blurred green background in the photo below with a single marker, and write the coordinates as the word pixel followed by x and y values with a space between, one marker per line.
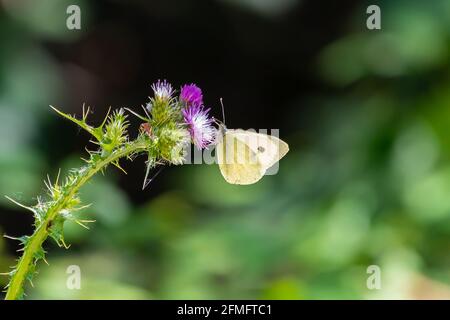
pixel 366 115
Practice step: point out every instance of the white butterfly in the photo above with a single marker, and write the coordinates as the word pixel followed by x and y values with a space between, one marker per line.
pixel 245 156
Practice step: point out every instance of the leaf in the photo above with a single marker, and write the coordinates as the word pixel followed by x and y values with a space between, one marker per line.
pixel 82 123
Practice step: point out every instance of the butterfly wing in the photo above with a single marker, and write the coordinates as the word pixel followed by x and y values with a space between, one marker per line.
pixel 268 149
pixel 238 163
pixel 282 146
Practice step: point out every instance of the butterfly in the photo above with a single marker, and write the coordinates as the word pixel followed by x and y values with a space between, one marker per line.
pixel 244 156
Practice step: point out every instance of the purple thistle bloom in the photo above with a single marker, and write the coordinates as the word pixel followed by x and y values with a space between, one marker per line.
pixel 162 90
pixel 191 95
pixel 199 125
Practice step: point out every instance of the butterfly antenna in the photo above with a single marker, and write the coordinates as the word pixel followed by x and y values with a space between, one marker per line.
pixel 148 181
pixel 223 111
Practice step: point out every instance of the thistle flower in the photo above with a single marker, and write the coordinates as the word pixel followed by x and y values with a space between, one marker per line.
pixel 162 90
pixel 191 95
pixel 170 125
pixel 199 125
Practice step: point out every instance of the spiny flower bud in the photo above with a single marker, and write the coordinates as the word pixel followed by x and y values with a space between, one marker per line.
pixel 173 143
pixel 115 132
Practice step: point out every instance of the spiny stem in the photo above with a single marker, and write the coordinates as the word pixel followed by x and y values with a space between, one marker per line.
pixel 41 232
pixel 163 136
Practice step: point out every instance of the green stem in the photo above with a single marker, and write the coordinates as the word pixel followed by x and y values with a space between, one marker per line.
pixel 41 233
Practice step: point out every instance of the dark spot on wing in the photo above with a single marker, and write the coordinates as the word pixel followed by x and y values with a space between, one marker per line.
pixel 261 149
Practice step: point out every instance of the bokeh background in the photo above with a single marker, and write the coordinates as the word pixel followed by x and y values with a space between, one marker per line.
pixel 366 114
